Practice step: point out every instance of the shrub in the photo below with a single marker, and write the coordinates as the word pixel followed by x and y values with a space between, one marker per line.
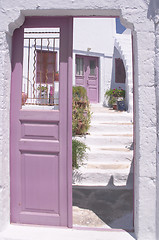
pixel 79 92
pixel 81 115
pixel 113 95
pixel 78 153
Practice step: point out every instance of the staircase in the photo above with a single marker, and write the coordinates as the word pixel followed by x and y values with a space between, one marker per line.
pixel 110 156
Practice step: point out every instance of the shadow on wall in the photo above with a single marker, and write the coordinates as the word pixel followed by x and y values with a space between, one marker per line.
pixel 112 204
pixel 153 7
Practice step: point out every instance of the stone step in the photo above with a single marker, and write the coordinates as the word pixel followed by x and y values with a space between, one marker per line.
pixel 107 165
pixel 110 152
pixel 101 177
pixel 106 141
pixel 113 128
pixel 110 117
pixel 112 157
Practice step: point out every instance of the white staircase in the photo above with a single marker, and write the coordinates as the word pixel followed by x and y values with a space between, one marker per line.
pixel 110 157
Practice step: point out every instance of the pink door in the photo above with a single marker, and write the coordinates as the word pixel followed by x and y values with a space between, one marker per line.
pixel 41 127
pixel 87 75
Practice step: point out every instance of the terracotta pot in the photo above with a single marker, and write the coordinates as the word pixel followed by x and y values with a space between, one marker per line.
pixel 57 77
pixel 24 98
pixel 115 107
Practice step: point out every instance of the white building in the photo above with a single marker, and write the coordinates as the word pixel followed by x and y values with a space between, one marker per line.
pixel 95 39
pixel 96 49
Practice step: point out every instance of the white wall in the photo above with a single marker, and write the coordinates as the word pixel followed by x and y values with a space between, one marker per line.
pixel 94 33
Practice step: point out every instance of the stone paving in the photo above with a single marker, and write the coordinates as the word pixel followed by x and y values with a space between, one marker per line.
pixel 103 208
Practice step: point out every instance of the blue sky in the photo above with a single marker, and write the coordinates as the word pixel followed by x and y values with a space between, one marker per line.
pixel 119 27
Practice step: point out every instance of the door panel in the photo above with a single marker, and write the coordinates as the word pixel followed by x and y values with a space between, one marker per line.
pixel 42 194
pixel 41 135
pixel 87 75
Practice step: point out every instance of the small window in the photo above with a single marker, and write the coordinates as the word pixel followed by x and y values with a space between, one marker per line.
pixel 79 66
pixel 92 67
pixel 120 74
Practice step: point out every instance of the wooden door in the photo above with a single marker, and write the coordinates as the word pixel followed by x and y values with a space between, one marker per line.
pixel 87 75
pixel 41 136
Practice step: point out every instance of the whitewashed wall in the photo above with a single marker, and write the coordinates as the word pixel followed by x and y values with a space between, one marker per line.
pixel 142 17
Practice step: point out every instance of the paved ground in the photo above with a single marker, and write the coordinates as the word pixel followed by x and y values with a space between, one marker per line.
pixel 103 207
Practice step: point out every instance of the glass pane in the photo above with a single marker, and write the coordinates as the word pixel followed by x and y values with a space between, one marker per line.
pixel 40 87
pixel 79 66
pixel 92 67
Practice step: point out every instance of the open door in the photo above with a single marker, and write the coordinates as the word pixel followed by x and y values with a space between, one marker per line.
pixel 41 122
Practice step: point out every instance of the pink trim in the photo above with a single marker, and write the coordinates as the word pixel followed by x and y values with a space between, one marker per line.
pixel 69 116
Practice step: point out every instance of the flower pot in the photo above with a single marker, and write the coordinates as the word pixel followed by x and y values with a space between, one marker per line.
pixel 43 98
pixel 56 77
pixel 24 98
pixel 115 107
pixel 121 105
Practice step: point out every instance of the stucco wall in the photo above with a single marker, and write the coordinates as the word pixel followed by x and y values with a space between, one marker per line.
pixel 139 16
pixel 94 33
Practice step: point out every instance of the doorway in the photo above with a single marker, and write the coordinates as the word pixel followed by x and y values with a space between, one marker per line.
pixel 103 184
pixel 87 75
pixel 32 141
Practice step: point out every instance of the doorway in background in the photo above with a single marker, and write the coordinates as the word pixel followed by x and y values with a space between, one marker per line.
pixel 87 76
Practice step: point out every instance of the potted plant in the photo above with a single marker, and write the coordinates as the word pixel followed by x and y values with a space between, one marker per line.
pixel 24 97
pixel 57 76
pixel 114 96
pixel 43 94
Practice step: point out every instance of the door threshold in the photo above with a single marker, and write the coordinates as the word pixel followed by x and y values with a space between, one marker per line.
pixel 102 229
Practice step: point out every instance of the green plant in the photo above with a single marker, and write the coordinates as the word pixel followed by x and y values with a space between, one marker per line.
pixel 43 88
pixel 113 95
pixel 78 153
pixel 112 101
pixel 81 115
pixel 79 92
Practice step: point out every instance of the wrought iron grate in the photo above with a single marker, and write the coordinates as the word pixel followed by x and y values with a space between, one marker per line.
pixel 41 67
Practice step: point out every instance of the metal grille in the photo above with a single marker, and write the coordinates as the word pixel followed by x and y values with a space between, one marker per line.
pixel 41 68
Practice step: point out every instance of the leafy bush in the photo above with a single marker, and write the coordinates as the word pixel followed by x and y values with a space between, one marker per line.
pixel 79 92
pixel 78 153
pixel 81 115
pixel 113 95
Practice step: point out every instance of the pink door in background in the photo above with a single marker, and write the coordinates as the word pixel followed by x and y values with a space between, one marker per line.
pixel 41 137
pixel 87 75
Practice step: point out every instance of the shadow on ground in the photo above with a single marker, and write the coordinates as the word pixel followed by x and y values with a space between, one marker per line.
pixel 105 207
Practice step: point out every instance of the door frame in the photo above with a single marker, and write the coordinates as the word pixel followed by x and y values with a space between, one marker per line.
pixel 17 71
